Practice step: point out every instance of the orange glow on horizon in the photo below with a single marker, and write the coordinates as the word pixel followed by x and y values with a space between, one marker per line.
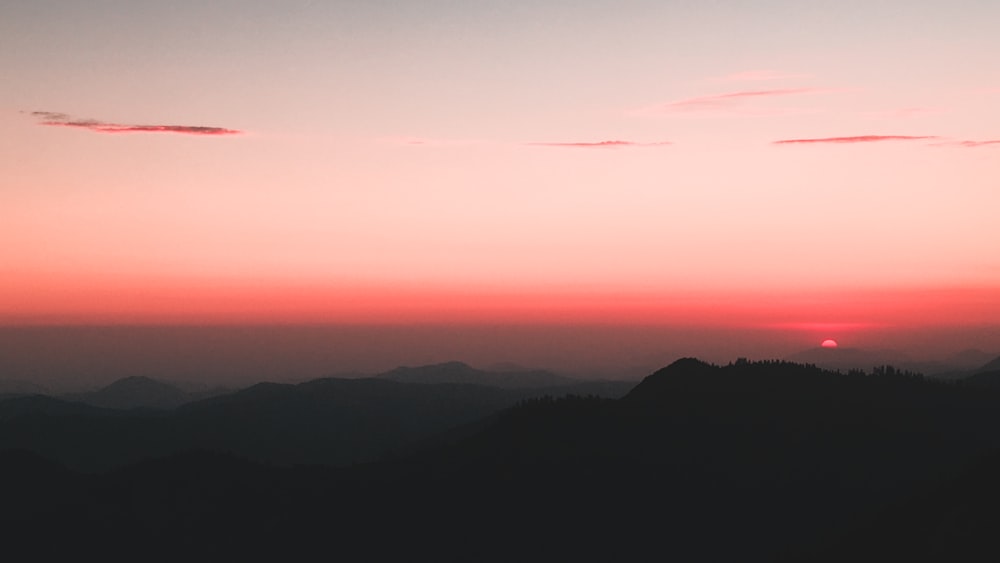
pixel 118 301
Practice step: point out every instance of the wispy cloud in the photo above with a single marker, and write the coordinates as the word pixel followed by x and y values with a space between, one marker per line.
pixel 858 139
pixel 51 115
pixel 57 119
pixel 602 144
pixel 727 104
pixel 760 75
pixel 967 144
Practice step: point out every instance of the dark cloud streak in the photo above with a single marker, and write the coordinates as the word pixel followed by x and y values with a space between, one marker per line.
pixel 56 119
pixel 51 115
pixel 857 139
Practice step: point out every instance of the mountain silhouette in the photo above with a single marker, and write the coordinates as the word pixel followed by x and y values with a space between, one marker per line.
pixel 459 372
pixel 993 365
pixel 845 359
pixel 329 421
pixel 136 392
pixel 983 379
pixel 750 461
pixel 970 358
pixel 987 376
pixel 673 379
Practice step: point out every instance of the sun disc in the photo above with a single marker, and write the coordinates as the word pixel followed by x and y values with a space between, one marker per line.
pixel 829 343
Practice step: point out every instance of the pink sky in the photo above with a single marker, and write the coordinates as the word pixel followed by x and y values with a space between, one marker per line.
pixel 835 164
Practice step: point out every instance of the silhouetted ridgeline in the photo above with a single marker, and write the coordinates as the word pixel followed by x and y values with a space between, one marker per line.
pixel 992 365
pixel 458 372
pixel 324 421
pixel 141 392
pixel 754 461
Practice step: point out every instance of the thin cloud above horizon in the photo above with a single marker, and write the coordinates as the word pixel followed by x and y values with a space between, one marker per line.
pixel 727 104
pixel 967 144
pixel 601 144
pixel 58 119
pixel 855 139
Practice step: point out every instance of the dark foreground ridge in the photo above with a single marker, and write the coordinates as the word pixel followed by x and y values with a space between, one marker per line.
pixel 754 461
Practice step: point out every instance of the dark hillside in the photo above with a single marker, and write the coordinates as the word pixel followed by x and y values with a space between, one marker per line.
pixel 326 421
pixel 983 379
pixel 754 461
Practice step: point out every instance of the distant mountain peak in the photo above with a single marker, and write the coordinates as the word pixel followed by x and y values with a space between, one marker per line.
pixel 667 378
pixel 135 391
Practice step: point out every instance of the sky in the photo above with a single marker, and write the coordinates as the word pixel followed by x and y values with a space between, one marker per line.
pixel 817 169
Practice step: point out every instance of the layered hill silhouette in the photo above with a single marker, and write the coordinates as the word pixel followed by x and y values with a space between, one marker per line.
pixel 324 421
pixel 986 379
pixel 992 365
pixel 140 392
pixel 459 372
pixel 956 366
pixel 753 461
pixel 985 376
pixel 971 358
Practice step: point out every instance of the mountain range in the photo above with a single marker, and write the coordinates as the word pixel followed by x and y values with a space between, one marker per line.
pixel 325 421
pixel 752 461
pixel 459 372
pixel 141 392
pixel 955 366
